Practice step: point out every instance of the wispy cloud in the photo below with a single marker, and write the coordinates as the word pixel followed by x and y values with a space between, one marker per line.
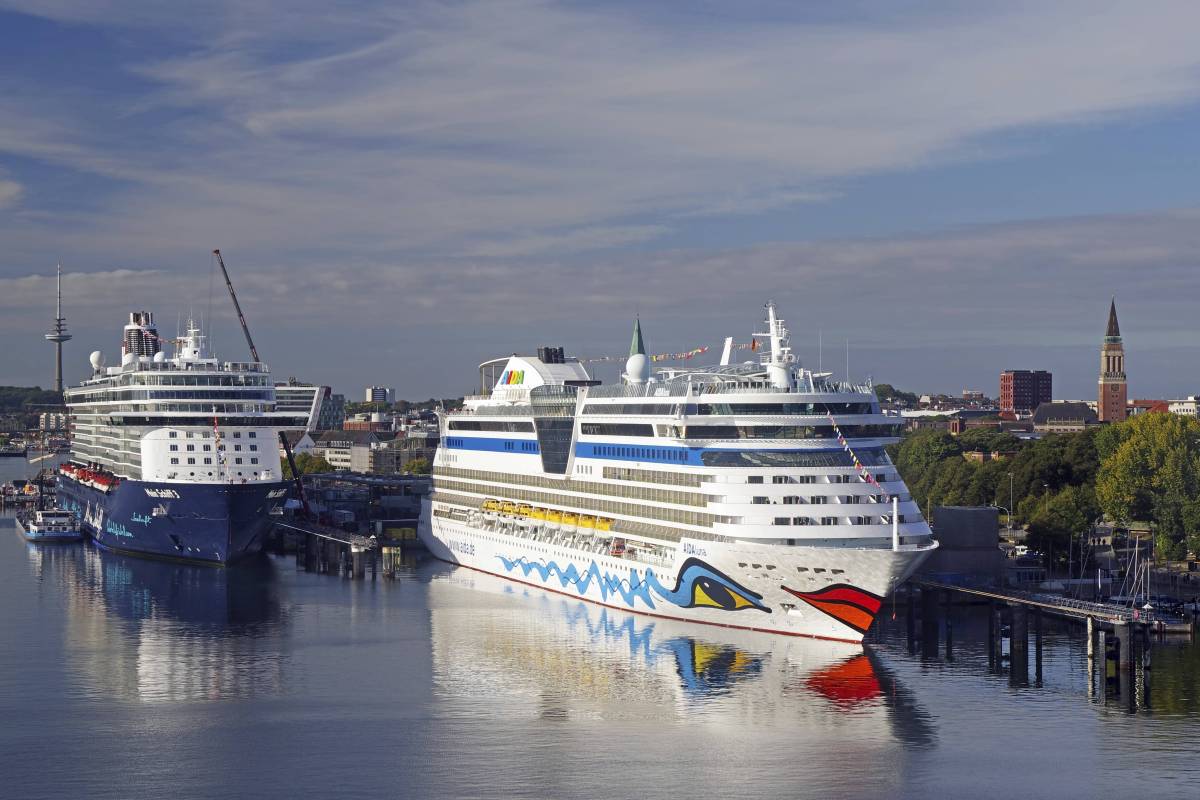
pixel 356 159
pixel 466 129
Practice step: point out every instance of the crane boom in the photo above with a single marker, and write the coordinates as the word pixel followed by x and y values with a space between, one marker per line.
pixel 287 448
pixel 237 306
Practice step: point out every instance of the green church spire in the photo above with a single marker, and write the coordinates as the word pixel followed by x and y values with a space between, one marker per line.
pixel 637 347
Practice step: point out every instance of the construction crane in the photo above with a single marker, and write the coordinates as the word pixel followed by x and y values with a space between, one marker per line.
pixel 287 448
pixel 237 306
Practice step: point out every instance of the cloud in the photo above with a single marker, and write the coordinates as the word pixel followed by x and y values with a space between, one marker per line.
pixel 509 128
pixel 10 193
pixel 368 165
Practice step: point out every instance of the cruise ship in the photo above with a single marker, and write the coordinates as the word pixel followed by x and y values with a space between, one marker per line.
pixel 755 495
pixel 174 457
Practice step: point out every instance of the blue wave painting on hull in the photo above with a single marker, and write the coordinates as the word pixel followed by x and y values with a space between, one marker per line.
pixel 698 584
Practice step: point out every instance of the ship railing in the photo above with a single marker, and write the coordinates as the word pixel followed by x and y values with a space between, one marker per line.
pixel 697 389
pixel 516 411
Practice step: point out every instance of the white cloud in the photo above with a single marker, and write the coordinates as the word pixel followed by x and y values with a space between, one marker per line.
pixel 10 193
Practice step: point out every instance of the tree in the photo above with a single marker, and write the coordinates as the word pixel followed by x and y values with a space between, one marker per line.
pixel 1151 472
pixel 988 440
pixel 921 459
pixel 306 463
pixel 1056 517
pixel 889 394
pixel 418 466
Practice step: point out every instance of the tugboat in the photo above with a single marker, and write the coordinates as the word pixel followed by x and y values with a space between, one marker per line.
pixel 50 526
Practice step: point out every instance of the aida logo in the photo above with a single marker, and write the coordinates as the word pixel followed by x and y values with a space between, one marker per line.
pixel 512 377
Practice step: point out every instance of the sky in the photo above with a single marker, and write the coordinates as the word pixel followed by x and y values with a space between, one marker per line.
pixel 403 190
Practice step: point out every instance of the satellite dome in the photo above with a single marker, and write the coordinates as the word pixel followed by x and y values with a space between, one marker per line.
pixel 97 360
pixel 160 357
pixel 637 368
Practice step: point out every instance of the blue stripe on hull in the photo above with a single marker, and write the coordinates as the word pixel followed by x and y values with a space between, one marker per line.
pixel 210 523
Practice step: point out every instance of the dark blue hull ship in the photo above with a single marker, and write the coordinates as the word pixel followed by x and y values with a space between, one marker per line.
pixel 208 523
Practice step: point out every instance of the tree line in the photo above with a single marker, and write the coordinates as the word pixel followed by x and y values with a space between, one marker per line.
pixel 1144 470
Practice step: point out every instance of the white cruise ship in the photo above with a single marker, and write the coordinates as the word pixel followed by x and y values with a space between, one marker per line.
pixel 756 495
pixel 174 457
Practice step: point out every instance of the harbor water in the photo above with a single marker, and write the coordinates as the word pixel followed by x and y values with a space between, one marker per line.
pixel 127 678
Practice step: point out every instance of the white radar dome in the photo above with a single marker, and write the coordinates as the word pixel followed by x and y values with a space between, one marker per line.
pixel 97 360
pixel 637 368
pixel 160 357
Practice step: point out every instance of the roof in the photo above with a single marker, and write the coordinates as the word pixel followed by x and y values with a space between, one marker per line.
pixel 294 437
pixel 637 347
pixel 1114 330
pixel 1062 411
pixel 343 438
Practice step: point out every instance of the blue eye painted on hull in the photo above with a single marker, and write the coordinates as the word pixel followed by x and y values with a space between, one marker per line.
pixel 702 586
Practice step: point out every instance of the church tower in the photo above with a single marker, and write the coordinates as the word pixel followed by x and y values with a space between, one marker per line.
pixel 1113 390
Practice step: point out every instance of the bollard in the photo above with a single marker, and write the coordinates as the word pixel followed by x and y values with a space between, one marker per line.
pixel 360 566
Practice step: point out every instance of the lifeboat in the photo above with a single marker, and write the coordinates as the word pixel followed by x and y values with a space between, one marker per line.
pixel 618 547
pixel 524 510
pixel 603 524
pixel 491 505
pixel 538 513
pixel 587 521
pixel 553 516
pixel 570 518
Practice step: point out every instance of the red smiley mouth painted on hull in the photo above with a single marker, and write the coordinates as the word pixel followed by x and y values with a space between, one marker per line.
pixel 845 603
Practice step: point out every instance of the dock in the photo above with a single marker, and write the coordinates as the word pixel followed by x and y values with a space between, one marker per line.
pixel 332 551
pixel 1118 638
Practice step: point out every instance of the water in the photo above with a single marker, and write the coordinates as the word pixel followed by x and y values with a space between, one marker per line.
pixel 127 678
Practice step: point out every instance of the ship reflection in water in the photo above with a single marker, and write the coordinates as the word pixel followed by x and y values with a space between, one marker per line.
pixel 159 631
pixel 538 654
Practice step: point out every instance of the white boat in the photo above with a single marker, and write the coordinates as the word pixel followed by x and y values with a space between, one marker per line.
pixel 50 526
pixel 755 495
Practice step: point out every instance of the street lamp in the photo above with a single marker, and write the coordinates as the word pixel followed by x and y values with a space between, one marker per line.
pixel 1010 503
pixel 1009 514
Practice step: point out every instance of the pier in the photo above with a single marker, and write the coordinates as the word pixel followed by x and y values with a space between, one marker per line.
pixel 324 549
pixel 1117 638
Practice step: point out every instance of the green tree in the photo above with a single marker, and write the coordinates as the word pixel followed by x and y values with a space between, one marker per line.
pixel 889 394
pixel 1056 517
pixel 306 463
pixel 418 466
pixel 922 458
pixel 988 440
pixel 1151 472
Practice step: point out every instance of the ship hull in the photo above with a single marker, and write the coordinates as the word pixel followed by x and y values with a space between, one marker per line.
pixel 821 593
pixel 216 524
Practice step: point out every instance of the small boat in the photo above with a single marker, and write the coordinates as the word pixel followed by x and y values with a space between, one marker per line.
pixel 54 525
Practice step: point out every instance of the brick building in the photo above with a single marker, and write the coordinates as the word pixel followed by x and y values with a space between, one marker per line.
pixel 1023 390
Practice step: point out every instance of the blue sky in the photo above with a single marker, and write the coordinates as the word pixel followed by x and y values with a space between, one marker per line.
pixel 955 191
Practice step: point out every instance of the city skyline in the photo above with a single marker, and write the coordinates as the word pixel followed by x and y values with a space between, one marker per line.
pixel 955 192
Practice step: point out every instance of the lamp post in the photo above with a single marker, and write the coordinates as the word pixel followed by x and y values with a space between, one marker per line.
pixel 1010 503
